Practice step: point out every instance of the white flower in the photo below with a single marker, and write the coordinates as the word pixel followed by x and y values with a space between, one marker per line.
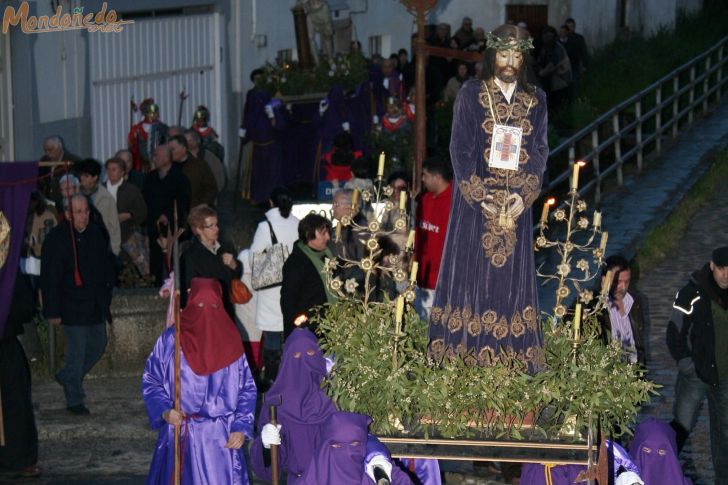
pixel 351 285
pixel 331 73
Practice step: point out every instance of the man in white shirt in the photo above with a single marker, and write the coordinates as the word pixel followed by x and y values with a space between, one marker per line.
pixel 625 319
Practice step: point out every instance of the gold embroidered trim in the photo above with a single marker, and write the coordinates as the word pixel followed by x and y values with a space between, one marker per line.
pixel 489 321
pixel 487 356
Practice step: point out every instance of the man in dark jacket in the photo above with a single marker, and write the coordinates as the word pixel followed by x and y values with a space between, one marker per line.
pixel 625 319
pixel 697 337
pixel 77 277
pixel 304 283
pixel 164 186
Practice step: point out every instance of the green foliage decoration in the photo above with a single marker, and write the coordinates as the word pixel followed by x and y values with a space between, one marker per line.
pixel 410 394
pixel 289 79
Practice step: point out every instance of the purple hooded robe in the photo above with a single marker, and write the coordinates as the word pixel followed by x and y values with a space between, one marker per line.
pixel 303 408
pixel 265 150
pixel 340 457
pixel 217 405
pixel 654 450
pixel 485 301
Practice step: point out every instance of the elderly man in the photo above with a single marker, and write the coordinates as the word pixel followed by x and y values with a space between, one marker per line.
pixel 213 161
pixel 203 188
pixel 697 337
pixel 499 150
pixel 163 187
pixel 77 277
pixel 54 150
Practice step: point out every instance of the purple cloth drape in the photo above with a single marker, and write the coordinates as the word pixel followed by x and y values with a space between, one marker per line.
pixel 17 181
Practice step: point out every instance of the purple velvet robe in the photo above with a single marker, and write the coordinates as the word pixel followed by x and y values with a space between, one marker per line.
pixel 486 296
pixel 217 405
pixel 654 450
pixel 535 474
pixel 360 113
pixel 301 144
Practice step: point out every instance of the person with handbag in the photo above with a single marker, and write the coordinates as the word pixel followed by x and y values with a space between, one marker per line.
pixel 132 212
pixel 205 257
pixel 272 243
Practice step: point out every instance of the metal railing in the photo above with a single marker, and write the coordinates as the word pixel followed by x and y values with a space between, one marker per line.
pixel 635 129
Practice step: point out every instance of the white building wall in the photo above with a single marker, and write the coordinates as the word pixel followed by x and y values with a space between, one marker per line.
pixel 597 21
pixel 60 67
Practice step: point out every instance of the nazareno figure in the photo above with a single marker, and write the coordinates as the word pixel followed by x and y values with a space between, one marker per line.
pixel 217 394
pixel 486 302
pixel 146 135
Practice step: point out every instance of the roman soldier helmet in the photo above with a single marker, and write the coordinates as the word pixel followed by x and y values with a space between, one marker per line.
pixel 202 115
pixel 392 101
pixel 148 106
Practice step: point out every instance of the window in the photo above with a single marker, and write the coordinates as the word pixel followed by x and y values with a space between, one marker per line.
pixel 375 45
pixel 284 56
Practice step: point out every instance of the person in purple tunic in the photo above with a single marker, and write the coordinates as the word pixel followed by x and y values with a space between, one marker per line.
pixel 341 455
pixel 262 125
pixel 303 409
pixel 654 450
pixel 217 389
pixel 485 301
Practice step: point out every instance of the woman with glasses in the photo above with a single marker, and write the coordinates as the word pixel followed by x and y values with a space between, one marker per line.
pixel 205 257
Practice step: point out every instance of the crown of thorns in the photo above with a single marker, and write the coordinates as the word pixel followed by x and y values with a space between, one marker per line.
pixel 500 44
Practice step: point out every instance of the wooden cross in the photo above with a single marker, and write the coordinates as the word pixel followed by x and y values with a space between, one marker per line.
pixel 420 8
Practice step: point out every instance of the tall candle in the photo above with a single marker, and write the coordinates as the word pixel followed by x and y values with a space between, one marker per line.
pixel 597 219
pixel 607 283
pixel 411 239
pixel 545 212
pixel 577 321
pixel 402 200
pixel 380 170
pixel 355 199
pixel 413 272
pixel 400 310
pixel 575 175
pixel 603 243
pixel 338 232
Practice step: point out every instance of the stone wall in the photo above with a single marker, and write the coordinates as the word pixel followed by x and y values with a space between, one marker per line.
pixel 138 319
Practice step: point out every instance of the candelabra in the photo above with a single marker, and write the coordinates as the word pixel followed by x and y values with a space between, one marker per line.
pixel 572 214
pixel 372 265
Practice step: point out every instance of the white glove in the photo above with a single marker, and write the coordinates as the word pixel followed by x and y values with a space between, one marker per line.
pixel 385 83
pixel 269 111
pixel 379 461
pixel 241 132
pixel 289 107
pixel 270 435
pixel 629 478
pixel 345 125
pixel 330 363
pixel 375 120
pixel 323 106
